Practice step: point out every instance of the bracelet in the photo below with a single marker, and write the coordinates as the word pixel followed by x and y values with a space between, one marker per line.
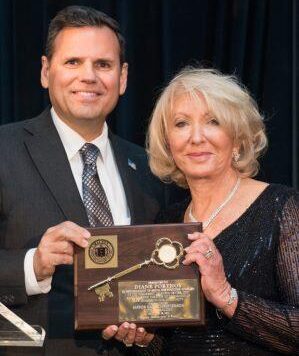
pixel 233 295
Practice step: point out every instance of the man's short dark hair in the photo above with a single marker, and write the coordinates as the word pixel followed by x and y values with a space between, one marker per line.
pixel 82 16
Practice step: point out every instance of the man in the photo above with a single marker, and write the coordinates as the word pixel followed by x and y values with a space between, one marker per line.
pixel 46 183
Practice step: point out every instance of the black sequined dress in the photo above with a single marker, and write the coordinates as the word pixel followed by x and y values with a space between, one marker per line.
pixel 261 257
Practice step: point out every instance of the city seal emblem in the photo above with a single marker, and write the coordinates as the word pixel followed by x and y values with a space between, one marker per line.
pixel 101 251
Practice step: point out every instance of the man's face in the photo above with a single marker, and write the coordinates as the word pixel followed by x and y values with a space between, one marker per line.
pixel 84 75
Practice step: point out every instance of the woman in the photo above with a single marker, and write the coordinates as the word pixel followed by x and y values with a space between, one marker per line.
pixel 206 134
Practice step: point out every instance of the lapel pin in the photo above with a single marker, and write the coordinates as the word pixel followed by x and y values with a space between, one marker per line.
pixel 132 164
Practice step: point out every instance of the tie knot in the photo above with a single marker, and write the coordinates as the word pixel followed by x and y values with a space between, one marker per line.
pixel 89 153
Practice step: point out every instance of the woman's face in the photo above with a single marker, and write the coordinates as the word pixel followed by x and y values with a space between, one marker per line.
pixel 200 147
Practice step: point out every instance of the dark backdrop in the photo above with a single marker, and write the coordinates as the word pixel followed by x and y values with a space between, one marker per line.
pixel 254 39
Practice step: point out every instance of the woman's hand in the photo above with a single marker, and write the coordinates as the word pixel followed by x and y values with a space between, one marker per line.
pixel 129 334
pixel 214 284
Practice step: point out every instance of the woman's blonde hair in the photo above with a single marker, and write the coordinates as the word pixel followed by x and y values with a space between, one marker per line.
pixel 228 101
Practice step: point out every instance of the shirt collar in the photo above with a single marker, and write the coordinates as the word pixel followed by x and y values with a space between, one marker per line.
pixel 73 142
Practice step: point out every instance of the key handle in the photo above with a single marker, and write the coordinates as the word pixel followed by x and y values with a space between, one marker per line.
pixel 167 253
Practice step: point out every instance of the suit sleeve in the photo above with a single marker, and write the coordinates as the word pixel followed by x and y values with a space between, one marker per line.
pixel 12 280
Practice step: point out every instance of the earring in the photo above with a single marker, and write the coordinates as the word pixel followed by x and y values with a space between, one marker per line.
pixel 236 155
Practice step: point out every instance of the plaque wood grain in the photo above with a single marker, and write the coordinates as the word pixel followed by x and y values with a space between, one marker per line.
pixel 135 244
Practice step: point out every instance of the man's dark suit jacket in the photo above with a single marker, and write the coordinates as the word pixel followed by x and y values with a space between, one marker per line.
pixel 37 191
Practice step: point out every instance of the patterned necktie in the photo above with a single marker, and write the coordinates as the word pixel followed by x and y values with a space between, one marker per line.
pixel 94 197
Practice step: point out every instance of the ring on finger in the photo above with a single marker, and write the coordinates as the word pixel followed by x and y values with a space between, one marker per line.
pixel 140 345
pixel 208 254
pixel 127 344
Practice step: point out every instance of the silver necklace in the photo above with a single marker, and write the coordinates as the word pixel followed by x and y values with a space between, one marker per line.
pixel 206 223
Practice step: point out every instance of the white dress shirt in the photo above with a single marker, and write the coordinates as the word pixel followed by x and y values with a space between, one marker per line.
pixel 110 180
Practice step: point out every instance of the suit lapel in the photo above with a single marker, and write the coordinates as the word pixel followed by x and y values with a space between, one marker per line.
pixel 128 177
pixel 48 154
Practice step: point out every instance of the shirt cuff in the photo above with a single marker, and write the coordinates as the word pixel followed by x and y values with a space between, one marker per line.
pixel 32 286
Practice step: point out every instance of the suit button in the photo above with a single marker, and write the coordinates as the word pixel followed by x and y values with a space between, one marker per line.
pixel 11 299
pixel 3 299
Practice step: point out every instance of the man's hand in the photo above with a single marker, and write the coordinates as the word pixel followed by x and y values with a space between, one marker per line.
pixel 57 248
pixel 129 334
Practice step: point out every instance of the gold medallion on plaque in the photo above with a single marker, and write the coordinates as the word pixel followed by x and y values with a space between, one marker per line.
pixel 101 252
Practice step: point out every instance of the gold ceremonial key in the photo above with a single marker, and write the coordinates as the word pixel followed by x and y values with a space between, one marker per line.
pixel 167 253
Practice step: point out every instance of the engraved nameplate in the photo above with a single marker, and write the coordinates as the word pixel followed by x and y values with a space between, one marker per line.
pixel 158 300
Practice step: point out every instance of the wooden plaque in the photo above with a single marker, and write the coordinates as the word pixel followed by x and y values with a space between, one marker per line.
pixel 153 295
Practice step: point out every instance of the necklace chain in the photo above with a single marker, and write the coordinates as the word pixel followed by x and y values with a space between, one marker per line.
pixel 206 223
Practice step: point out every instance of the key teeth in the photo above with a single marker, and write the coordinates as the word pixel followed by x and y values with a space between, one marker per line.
pixel 103 292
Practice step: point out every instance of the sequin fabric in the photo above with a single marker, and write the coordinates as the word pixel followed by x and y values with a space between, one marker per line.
pixel 261 258
pixel 94 197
